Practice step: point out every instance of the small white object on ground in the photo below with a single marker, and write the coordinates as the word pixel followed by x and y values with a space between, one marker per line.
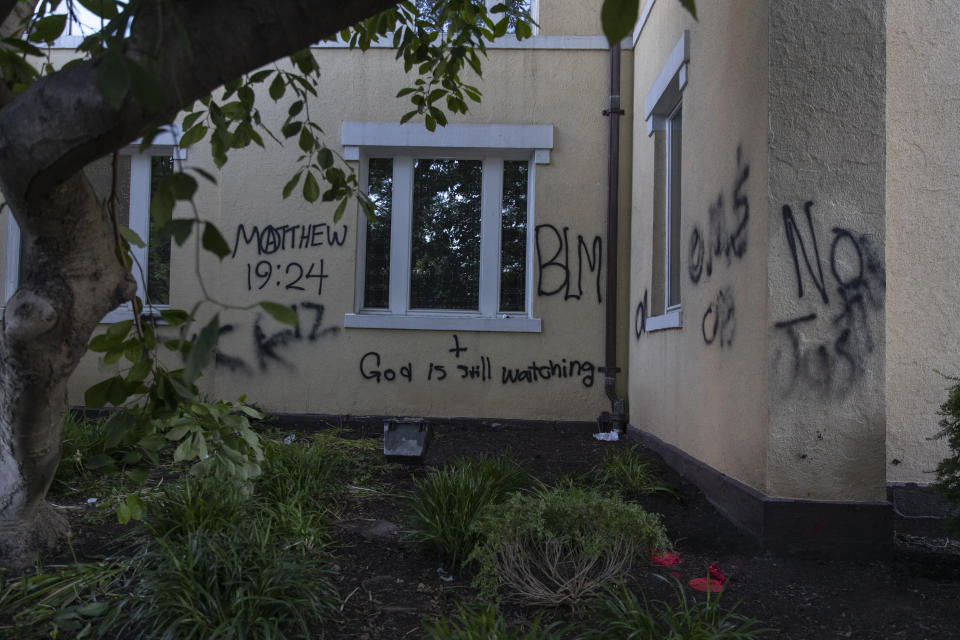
pixel 609 436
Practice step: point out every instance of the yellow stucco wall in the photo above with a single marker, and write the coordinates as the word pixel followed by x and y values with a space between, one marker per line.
pixel 703 387
pixel 923 227
pixel 318 368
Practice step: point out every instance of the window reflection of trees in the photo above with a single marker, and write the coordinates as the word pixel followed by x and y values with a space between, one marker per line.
pixel 445 250
pixel 376 284
pixel 513 240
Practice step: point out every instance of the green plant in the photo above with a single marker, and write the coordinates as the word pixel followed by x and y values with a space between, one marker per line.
pixel 298 472
pixel 61 599
pixel 198 504
pixel 948 471
pixel 558 546
pixel 241 582
pixel 618 614
pixel 485 623
pixel 447 501
pixel 626 471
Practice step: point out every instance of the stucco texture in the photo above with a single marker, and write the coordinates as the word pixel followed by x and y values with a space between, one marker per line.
pixel 703 387
pixel 923 226
pixel 317 368
pixel 826 272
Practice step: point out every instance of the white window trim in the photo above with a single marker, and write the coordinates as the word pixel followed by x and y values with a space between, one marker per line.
pixel 660 104
pixel 492 144
pixel 672 319
pixel 668 86
pixel 164 144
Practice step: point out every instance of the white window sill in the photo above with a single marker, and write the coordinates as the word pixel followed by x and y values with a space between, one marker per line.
pixel 437 322
pixel 672 319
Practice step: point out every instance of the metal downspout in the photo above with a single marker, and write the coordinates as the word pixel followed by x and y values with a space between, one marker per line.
pixel 616 418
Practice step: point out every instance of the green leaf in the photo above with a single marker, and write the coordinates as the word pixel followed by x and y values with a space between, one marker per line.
pixel 174 317
pixel 93 609
pixel 101 8
pixel 178 432
pixel 311 190
pixel 182 185
pixel 140 371
pixel 277 87
pixel 306 140
pixel 97 395
pixel 48 28
pixel 131 236
pixel 153 442
pixel 193 135
pixel 280 312
pixel 260 76
pixel 214 242
pixel 113 78
pixel 116 426
pixel 325 158
pixel 180 230
pixel 119 329
pixel 291 185
pixel 161 206
pixel 340 210
pixel 234 110
pixel 618 18
pixel 691 6
pixel 202 350
pixel 139 475
pixel 132 508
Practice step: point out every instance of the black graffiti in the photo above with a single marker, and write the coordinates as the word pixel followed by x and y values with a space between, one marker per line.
pixel 719 242
pixel 795 239
pixel 640 316
pixel 720 319
pixel 267 347
pixel 293 276
pixel 457 349
pixel 482 371
pixel 563 368
pixel 370 369
pixel 554 274
pixel 224 360
pixel 271 239
pixel 829 348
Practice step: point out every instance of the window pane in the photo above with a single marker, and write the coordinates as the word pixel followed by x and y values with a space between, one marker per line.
pixel 158 243
pixel 513 238
pixel 673 152
pixel 445 250
pixel 376 274
pixel 517 6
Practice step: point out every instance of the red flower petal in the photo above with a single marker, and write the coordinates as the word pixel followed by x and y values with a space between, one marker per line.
pixel 665 558
pixel 706 584
pixel 716 574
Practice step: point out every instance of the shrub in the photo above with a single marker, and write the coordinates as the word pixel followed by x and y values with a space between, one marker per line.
pixel 625 471
pixel 447 501
pixel 194 504
pixel 301 472
pixel 948 471
pixel 618 614
pixel 484 623
pixel 559 546
pixel 241 582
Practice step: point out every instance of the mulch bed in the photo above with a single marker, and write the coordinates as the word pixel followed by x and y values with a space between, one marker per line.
pixel 389 586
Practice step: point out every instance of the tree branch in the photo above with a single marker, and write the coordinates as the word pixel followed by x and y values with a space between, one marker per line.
pixel 61 123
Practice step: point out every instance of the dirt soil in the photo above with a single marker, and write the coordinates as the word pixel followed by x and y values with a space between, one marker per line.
pixel 389 585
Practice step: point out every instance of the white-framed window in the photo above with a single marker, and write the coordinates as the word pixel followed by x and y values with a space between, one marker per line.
pixel 449 246
pixel 137 171
pixel 664 115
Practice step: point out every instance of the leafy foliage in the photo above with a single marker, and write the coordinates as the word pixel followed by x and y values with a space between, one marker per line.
pixel 485 623
pixel 619 614
pixel 625 471
pixel 948 471
pixel 558 546
pixel 447 501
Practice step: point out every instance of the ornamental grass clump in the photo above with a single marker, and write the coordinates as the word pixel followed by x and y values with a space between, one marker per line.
pixel 619 614
pixel 486 623
pixel 447 501
pixel 626 472
pixel 559 546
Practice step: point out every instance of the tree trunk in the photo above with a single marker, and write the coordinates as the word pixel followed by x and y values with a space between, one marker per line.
pixel 72 278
